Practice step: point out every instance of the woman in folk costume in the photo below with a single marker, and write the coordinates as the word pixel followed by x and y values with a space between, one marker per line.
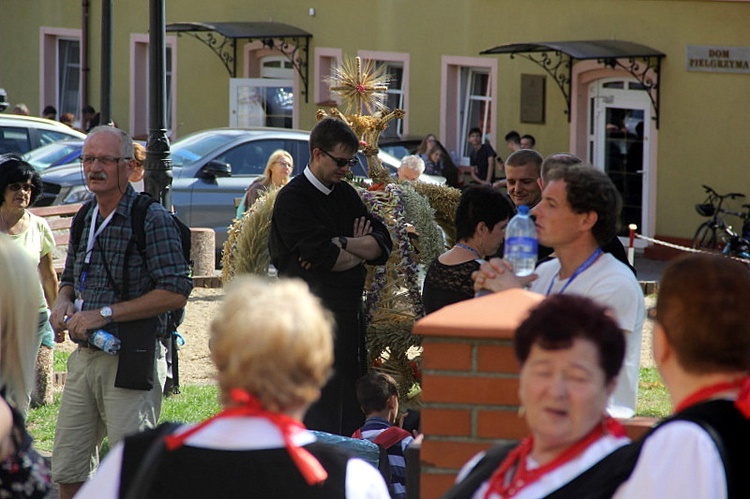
pixel 570 350
pixel 273 348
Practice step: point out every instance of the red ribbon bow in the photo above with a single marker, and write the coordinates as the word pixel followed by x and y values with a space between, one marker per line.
pixel 248 405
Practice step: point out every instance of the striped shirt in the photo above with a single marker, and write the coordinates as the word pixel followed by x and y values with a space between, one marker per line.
pixel 373 427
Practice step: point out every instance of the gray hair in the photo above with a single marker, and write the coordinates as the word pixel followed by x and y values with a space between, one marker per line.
pixel 126 142
pixel 413 162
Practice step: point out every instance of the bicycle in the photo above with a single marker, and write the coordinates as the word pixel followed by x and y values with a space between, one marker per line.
pixel 706 236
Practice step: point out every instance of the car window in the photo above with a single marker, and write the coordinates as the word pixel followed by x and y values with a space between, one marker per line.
pixel 43 157
pixel 397 151
pixel 49 136
pixel 194 147
pixel 14 139
pixel 250 158
pixel 300 151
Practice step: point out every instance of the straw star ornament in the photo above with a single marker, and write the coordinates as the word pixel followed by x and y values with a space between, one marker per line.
pixel 360 85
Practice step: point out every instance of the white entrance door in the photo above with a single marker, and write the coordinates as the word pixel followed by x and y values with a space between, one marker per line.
pixel 261 102
pixel 618 143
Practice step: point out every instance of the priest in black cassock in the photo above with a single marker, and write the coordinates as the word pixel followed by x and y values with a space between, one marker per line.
pixel 322 233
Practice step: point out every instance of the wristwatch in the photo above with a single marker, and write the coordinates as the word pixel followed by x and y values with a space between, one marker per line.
pixel 106 313
pixel 343 241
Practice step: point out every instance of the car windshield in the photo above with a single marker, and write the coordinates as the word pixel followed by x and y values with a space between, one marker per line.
pixel 43 157
pixel 194 147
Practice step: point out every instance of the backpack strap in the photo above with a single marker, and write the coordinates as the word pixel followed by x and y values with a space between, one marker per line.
pixel 138 219
pixel 76 227
pixel 391 437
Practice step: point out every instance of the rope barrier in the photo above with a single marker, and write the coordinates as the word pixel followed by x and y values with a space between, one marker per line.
pixel 686 249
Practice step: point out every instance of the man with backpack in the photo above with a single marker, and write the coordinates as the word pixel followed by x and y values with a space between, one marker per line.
pixel 377 394
pixel 111 283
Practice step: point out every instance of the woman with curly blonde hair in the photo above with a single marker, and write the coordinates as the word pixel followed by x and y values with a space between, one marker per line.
pixel 272 343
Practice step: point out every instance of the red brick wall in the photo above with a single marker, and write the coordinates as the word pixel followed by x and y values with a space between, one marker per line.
pixel 470 400
pixel 470 384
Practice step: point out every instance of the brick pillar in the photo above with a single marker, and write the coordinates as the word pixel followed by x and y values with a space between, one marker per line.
pixel 469 383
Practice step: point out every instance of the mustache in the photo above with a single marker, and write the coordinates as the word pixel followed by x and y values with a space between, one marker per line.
pixel 97 176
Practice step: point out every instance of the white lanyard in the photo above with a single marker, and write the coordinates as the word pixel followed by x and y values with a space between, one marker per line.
pixel 94 232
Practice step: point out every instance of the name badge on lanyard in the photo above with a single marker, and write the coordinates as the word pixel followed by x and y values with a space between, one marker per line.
pixel 93 234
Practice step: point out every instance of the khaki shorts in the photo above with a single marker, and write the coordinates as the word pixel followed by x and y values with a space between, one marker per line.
pixel 92 407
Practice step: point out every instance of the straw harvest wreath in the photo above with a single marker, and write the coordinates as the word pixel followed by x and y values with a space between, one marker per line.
pixel 414 213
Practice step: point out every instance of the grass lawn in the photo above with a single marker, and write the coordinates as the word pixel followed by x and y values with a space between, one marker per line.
pixel 196 403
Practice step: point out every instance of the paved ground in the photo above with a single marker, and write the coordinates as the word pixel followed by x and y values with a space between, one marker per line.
pixel 649 270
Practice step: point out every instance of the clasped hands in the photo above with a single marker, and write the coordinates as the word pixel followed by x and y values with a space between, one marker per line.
pixel 361 227
pixel 497 275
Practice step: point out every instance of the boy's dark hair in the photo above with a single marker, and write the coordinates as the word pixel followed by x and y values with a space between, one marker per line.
pixel 475 130
pixel 513 136
pixel 374 389
pixel 329 132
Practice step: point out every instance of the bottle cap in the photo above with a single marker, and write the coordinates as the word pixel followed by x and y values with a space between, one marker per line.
pixel 523 210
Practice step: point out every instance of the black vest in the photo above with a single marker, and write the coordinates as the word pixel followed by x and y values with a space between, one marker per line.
pixel 728 428
pixel 191 472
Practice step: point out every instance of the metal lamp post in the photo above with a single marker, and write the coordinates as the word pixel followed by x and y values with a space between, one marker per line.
pixel 158 166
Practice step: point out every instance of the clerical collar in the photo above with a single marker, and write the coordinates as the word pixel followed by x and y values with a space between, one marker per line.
pixel 317 183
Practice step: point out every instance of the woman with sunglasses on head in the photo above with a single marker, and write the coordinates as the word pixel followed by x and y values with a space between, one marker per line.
pixel 277 173
pixel 20 186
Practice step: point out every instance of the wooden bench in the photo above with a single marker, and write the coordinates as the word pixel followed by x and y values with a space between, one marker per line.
pixel 59 219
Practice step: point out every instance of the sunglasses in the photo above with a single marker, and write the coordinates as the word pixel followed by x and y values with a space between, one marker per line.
pixel 22 186
pixel 341 162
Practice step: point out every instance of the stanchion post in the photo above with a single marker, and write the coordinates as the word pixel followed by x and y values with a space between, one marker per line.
pixel 631 244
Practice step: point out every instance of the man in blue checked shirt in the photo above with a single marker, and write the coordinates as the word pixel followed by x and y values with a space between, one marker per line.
pixel 108 283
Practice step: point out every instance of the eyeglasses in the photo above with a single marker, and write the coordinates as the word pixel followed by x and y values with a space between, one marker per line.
pixel 104 160
pixel 285 164
pixel 341 162
pixel 22 186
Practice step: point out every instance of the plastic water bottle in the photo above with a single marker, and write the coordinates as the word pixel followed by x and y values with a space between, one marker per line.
pixel 521 242
pixel 106 341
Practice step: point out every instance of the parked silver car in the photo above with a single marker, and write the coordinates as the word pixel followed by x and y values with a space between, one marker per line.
pixel 21 134
pixel 210 169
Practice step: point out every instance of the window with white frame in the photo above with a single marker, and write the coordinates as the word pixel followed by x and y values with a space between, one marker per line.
pixel 69 76
pixel 475 103
pixel 326 59
pixel 61 70
pixel 469 100
pixel 396 65
pixel 140 88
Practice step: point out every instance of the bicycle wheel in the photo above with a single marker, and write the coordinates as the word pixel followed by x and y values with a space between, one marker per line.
pixel 705 236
